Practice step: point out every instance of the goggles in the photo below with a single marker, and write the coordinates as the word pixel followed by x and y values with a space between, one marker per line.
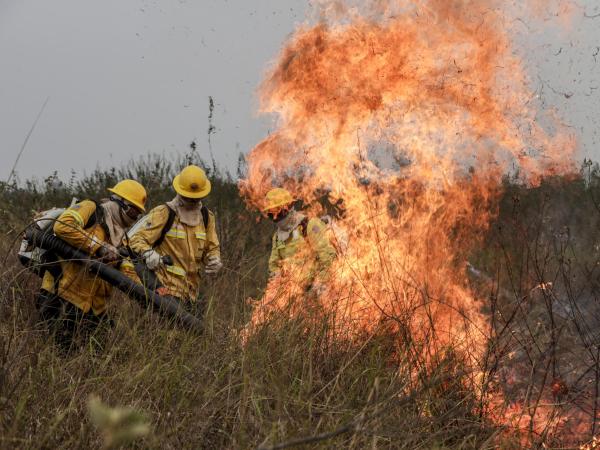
pixel 130 210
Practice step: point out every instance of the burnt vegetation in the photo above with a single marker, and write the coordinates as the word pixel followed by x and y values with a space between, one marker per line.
pixel 292 384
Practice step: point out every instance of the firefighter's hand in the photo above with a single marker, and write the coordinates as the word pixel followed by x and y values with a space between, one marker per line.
pixel 213 265
pixel 108 253
pixel 152 259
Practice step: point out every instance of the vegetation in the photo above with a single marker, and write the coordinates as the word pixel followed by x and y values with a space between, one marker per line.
pixel 152 385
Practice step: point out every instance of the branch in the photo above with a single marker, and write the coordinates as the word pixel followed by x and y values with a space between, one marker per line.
pixel 12 171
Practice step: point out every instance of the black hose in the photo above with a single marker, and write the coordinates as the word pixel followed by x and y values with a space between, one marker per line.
pixel 166 306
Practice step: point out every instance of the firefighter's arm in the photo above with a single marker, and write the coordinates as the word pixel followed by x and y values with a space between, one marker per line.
pixel 70 227
pixel 274 259
pixel 213 248
pixel 150 230
pixel 319 240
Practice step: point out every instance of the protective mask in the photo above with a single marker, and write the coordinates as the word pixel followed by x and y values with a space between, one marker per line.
pixel 126 219
pixel 190 204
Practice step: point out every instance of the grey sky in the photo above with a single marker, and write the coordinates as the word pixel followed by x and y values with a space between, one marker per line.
pixel 130 77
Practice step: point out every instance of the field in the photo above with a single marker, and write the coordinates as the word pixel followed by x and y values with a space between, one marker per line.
pixel 147 384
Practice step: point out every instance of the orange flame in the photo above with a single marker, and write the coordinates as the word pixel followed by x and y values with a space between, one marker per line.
pixel 410 112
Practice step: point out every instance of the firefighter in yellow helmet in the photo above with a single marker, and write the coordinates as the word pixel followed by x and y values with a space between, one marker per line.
pixel 296 235
pixel 184 230
pixel 71 299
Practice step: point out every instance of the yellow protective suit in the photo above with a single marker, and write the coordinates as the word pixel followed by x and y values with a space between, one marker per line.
pixel 189 246
pixel 78 286
pixel 306 240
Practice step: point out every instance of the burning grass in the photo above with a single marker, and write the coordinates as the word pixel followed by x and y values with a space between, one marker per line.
pixel 461 310
pixel 409 114
pixel 298 379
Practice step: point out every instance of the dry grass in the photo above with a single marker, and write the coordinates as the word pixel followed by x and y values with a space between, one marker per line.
pixel 292 382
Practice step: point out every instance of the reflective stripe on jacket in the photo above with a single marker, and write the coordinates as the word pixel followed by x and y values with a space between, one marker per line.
pixel 188 246
pixel 76 285
pixel 314 243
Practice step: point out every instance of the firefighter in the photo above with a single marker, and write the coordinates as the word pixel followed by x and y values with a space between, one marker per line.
pixel 184 231
pixel 296 238
pixel 73 301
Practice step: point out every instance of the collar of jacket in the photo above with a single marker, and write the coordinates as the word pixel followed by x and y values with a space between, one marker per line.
pixel 191 217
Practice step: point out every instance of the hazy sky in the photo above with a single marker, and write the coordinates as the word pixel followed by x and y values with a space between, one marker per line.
pixel 130 77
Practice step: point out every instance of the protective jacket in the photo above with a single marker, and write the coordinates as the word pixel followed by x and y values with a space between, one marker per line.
pixel 307 246
pixel 190 247
pixel 75 284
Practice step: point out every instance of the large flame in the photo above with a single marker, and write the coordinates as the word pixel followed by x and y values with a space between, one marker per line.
pixel 409 112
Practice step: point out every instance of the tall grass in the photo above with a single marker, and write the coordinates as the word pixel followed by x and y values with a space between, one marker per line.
pixel 292 384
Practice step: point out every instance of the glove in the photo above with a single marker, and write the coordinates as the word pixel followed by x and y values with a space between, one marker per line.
pixel 152 259
pixel 213 265
pixel 108 253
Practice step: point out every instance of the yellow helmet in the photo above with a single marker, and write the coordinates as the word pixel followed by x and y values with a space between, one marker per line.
pixel 192 183
pixel 132 191
pixel 277 197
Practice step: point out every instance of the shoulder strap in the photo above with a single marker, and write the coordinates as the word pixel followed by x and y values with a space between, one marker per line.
pixel 304 227
pixel 204 211
pixel 171 219
pixel 166 228
pixel 96 218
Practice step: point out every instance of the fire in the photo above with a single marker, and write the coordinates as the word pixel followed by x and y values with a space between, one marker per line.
pixel 408 113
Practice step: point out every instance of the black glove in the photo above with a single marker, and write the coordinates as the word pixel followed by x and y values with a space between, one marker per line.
pixel 108 253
